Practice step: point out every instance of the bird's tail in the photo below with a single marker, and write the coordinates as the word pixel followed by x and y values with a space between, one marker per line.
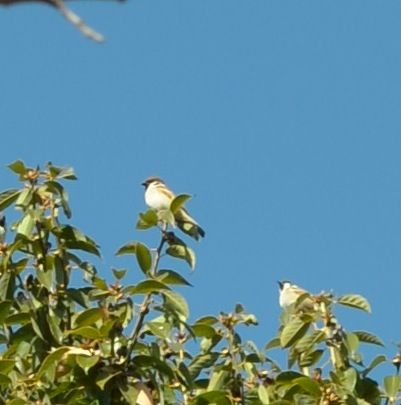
pixel 188 225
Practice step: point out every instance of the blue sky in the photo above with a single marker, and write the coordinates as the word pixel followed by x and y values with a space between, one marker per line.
pixel 281 117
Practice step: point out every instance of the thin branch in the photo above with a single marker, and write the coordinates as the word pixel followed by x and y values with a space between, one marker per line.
pixel 144 308
pixel 77 21
pixel 68 14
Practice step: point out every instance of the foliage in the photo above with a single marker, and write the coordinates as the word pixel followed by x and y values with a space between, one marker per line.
pixel 118 343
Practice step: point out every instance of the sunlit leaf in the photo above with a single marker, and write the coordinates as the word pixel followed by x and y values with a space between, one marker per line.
pixel 367 337
pixel 88 317
pixel 147 220
pixel 26 226
pixel 87 332
pixel 144 257
pixel 87 362
pixel 171 277
pixel 355 301
pixel 177 302
pixel 146 287
pixel 179 202
pixel 18 167
pixel 202 362
pixel 263 394
pixel 128 249
pixel 293 331
pixel 184 253
pixel 7 197
pixel 392 384
pixel 52 360
pixel 374 363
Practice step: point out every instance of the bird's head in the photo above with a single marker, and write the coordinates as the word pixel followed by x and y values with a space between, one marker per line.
pixel 283 284
pixel 152 180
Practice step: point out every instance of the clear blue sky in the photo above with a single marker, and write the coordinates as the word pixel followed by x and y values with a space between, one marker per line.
pixel 282 117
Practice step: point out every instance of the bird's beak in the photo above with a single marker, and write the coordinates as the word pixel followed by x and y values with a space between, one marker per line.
pixel 143 184
pixel 280 284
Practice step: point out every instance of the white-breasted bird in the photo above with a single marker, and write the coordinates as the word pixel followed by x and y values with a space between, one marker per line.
pixel 289 293
pixel 159 197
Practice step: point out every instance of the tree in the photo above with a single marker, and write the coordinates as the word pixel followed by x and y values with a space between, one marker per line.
pixel 113 343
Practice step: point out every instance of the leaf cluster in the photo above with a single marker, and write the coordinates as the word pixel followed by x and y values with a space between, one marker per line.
pixel 101 342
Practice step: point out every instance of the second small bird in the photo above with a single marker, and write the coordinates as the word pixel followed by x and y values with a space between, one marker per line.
pixel 158 197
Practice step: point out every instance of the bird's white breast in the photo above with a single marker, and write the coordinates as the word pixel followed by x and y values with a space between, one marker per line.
pixel 156 199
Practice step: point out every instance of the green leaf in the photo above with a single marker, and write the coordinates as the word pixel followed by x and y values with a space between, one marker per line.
pixel 5 307
pixel 103 378
pixel 392 384
pixel 119 273
pixel 367 337
pixel 147 220
pixel 203 330
pixel 52 360
pixel 179 202
pixel 273 344
pixel 177 302
pixel 355 301
pixel 6 366
pixel 5 381
pixel 88 317
pixel 129 392
pixel 146 287
pixel 144 257
pixel 18 167
pixel 308 341
pixel 374 363
pixel 309 385
pixel 172 277
pixel 202 362
pixel 75 239
pixel 7 197
pixel 207 320
pixel 159 329
pixel 182 252
pixel 26 226
pixel 349 378
pixel 24 198
pixel 88 332
pixel 213 397
pixel 128 249
pixel 86 362
pixel 293 331
pixel 54 186
pixel 20 318
pixel 45 277
pixel 263 394
pixel 218 379
pixel 309 359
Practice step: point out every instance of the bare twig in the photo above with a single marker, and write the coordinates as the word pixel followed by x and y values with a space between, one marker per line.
pixel 68 14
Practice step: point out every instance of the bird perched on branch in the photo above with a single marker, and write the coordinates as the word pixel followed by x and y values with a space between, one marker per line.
pixel 289 294
pixel 159 197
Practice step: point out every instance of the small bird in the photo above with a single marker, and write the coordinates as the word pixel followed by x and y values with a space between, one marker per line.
pixel 289 293
pixel 2 227
pixel 159 197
